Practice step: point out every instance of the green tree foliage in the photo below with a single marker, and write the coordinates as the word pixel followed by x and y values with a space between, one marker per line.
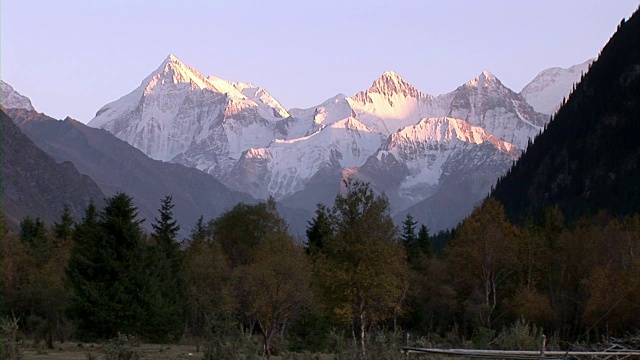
pixel 361 272
pixel 318 230
pixel 63 230
pixel 242 230
pixel 165 268
pixel 209 291
pixel 409 238
pixel 34 234
pixel 115 287
pixel 424 241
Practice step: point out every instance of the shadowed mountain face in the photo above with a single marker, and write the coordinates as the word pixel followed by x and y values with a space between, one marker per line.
pixel 588 158
pixel 119 167
pixel 34 184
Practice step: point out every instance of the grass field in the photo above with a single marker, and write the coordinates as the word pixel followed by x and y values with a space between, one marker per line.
pixel 83 351
pixel 90 351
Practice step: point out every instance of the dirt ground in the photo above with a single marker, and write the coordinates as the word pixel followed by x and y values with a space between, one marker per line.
pixel 84 351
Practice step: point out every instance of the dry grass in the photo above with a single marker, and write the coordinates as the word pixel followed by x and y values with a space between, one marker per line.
pixel 80 351
pixel 84 351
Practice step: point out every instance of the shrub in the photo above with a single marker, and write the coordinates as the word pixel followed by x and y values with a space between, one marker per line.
pixel 11 344
pixel 122 347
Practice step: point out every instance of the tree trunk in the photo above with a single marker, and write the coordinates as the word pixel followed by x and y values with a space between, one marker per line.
pixel 362 333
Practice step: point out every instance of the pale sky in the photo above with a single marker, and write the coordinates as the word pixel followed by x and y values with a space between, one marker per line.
pixel 71 57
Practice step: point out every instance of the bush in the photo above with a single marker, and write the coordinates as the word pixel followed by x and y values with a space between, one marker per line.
pixel 519 336
pixel 122 347
pixel 11 344
pixel 240 344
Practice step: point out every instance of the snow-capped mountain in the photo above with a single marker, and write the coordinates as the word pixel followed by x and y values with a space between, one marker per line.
pixel 418 160
pixel 407 143
pixel 11 99
pixel 388 108
pixel 546 91
pixel 178 115
pixel 486 102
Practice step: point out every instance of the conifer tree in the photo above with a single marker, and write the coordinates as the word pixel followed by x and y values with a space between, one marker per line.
pixel 33 232
pixel 108 272
pixel 409 238
pixel 64 229
pixel 424 241
pixel 318 230
pixel 167 311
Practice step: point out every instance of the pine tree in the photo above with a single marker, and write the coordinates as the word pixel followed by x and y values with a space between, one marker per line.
pixel 318 230
pixel 33 232
pixel 108 272
pixel 198 232
pixel 409 238
pixel 424 241
pixel 64 229
pixel 167 311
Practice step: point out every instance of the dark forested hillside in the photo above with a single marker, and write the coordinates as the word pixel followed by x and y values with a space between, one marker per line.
pixel 33 184
pixel 587 159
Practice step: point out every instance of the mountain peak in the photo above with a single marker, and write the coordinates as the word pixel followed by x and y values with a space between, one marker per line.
pixel 388 78
pixel 485 78
pixel 172 58
pixel 11 99
pixel 173 70
pixel 391 74
pixel 487 75
pixel 389 84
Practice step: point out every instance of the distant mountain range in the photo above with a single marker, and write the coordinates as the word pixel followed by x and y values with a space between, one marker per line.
pixel 433 156
pixel 412 146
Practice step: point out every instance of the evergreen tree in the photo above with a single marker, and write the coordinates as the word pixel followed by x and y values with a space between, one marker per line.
pixel 108 272
pixel 167 311
pixel 424 241
pixel 318 230
pixel 33 232
pixel 198 232
pixel 165 232
pixel 409 238
pixel 64 229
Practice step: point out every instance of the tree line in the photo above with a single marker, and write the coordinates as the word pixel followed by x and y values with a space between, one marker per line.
pixel 355 274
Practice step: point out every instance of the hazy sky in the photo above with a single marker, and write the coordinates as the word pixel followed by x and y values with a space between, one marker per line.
pixel 72 57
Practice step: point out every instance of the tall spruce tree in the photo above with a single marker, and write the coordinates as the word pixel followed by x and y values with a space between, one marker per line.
pixel 63 230
pixel 167 315
pixel 409 238
pixel 109 274
pixel 424 241
pixel 318 230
